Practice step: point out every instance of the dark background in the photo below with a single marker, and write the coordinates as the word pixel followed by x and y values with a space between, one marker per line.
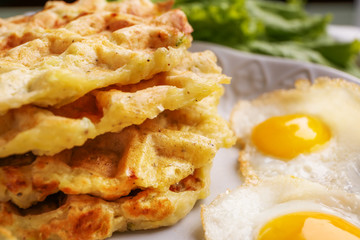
pixel 4 3
pixel 9 3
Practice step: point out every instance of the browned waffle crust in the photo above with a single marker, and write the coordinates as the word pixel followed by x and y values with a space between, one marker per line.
pixel 107 122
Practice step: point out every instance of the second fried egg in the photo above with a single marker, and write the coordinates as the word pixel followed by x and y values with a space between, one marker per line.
pixel 283 208
pixel 311 132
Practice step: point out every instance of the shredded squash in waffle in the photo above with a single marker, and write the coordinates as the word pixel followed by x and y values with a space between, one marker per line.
pixel 107 122
pixel 32 128
pixel 56 56
pixel 156 154
pixel 75 217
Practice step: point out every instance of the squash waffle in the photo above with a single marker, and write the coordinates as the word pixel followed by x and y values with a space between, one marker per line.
pixel 155 154
pixel 83 217
pixel 107 122
pixel 85 50
pixel 32 128
pixel 57 14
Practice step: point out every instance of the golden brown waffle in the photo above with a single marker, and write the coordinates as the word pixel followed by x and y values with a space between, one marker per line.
pixel 32 128
pixel 85 48
pixel 156 154
pixel 78 217
pixel 57 14
pixel 107 122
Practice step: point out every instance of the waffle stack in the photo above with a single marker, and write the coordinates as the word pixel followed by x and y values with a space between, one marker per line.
pixel 108 123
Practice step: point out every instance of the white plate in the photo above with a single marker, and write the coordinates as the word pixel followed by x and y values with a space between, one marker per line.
pixel 252 75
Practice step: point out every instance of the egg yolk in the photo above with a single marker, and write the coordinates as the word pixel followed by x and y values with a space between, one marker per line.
pixel 309 226
pixel 290 135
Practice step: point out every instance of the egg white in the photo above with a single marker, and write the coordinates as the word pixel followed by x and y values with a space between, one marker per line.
pixel 336 103
pixel 241 213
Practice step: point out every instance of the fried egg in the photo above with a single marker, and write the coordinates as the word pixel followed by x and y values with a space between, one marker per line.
pixel 311 132
pixel 283 208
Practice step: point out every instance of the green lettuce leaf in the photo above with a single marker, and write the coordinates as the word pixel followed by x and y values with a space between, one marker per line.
pixel 272 28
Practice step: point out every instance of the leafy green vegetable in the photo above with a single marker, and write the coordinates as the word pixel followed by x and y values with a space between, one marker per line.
pixel 287 22
pixel 225 22
pixel 271 28
pixel 341 54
